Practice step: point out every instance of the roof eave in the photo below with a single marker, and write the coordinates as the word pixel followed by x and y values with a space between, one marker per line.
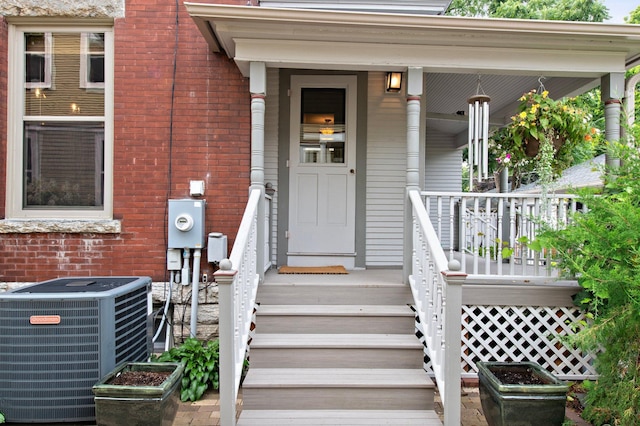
pixel 220 26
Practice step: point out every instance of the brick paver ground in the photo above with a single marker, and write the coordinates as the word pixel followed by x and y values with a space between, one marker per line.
pixel 207 410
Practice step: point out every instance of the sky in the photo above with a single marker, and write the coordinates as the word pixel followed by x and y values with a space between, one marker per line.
pixel 618 9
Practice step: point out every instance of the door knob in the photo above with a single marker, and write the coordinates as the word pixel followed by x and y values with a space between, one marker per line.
pixel 352 171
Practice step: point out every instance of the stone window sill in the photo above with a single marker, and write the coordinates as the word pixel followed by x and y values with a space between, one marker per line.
pixel 68 226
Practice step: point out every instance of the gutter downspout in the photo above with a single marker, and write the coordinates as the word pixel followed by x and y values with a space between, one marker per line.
pixel 630 101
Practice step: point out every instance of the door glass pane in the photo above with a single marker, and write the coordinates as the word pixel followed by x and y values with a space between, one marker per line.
pixel 322 125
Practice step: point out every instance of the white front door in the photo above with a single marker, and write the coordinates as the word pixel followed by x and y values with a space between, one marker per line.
pixel 322 171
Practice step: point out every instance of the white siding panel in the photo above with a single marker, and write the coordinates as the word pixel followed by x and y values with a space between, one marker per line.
pixel 271 150
pixel 386 174
pixel 443 172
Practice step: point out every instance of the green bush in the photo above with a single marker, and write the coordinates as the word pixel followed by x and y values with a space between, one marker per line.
pixel 602 250
pixel 201 370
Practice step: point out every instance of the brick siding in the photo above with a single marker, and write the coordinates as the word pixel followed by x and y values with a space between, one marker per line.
pixel 159 146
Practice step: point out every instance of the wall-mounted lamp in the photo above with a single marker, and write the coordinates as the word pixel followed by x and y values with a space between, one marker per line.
pixel 393 83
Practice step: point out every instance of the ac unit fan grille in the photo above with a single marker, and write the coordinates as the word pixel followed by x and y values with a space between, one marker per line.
pixel 47 370
pixel 130 331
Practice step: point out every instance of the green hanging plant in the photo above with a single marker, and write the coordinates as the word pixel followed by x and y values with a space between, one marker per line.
pixel 539 118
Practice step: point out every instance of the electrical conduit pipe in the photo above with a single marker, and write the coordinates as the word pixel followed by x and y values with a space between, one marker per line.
pixel 197 254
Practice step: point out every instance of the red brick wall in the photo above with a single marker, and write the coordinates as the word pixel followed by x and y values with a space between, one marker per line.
pixel 158 148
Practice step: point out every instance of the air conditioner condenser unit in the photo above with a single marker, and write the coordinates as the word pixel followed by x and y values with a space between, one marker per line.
pixel 59 337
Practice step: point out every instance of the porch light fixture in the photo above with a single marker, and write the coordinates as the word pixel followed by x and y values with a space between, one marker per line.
pixel 393 83
pixel 478 136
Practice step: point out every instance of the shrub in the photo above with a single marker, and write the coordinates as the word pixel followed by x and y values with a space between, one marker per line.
pixel 201 370
pixel 602 249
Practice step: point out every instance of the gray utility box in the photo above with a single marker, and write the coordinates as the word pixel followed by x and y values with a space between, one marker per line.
pixel 60 337
pixel 216 247
pixel 186 224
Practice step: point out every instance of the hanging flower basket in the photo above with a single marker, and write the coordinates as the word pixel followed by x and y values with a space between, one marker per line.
pixel 532 145
pixel 539 118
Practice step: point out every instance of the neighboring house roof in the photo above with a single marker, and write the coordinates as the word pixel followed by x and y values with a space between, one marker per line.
pixel 587 174
pixel 419 7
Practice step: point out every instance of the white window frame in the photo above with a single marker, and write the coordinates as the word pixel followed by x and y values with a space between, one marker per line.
pixel 16 119
pixel 84 63
pixel 48 45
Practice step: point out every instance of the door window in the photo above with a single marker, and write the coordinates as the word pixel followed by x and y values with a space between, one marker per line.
pixel 322 126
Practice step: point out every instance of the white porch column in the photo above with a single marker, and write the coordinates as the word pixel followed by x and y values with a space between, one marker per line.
pixel 258 89
pixel 414 94
pixel 612 92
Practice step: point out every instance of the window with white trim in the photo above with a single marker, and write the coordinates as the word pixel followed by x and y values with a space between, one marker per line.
pixel 37 54
pixel 60 132
pixel 92 60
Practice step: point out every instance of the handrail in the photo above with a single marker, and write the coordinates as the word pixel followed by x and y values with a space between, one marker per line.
pixel 437 295
pixel 238 279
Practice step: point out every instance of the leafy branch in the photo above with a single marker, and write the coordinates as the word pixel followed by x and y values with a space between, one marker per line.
pixel 201 369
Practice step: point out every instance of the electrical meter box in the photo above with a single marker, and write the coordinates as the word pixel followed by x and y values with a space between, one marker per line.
pixel 186 224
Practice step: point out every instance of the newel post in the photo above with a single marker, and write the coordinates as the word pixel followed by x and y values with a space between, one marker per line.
pixel 225 278
pixel 452 336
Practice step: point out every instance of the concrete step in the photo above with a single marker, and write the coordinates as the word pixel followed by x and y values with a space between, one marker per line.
pixel 336 350
pixel 337 389
pixel 394 319
pixel 333 294
pixel 338 417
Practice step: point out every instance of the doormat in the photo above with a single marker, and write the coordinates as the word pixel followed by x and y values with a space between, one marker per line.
pixel 338 269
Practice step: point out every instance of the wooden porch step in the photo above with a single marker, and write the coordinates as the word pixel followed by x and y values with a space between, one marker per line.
pixel 386 319
pixel 329 293
pixel 338 417
pixel 337 389
pixel 336 350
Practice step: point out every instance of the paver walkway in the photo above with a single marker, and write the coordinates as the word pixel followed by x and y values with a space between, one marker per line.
pixel 207 411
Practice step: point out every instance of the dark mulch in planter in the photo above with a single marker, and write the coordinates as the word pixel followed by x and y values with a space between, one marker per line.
pixel 517 376
pixel 139 378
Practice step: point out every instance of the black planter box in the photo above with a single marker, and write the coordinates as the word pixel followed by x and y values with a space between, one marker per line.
pixel 521 404
pixel 119 405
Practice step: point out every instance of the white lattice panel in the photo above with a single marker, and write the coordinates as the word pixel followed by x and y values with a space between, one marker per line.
pixel 521 333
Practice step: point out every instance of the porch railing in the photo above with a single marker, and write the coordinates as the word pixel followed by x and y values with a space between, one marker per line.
pixel 522 320
pixel 488 232
pixel 238 280
pixel 437 294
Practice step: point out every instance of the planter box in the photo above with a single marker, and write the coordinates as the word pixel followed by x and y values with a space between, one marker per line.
pixel 124 405
pixel 521 404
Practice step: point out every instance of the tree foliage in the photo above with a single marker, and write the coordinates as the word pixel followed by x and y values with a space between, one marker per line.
pixel 602 249
pixel 556 10
pixel 634 16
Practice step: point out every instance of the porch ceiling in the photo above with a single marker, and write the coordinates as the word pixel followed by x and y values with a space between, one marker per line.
pixel 508 55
